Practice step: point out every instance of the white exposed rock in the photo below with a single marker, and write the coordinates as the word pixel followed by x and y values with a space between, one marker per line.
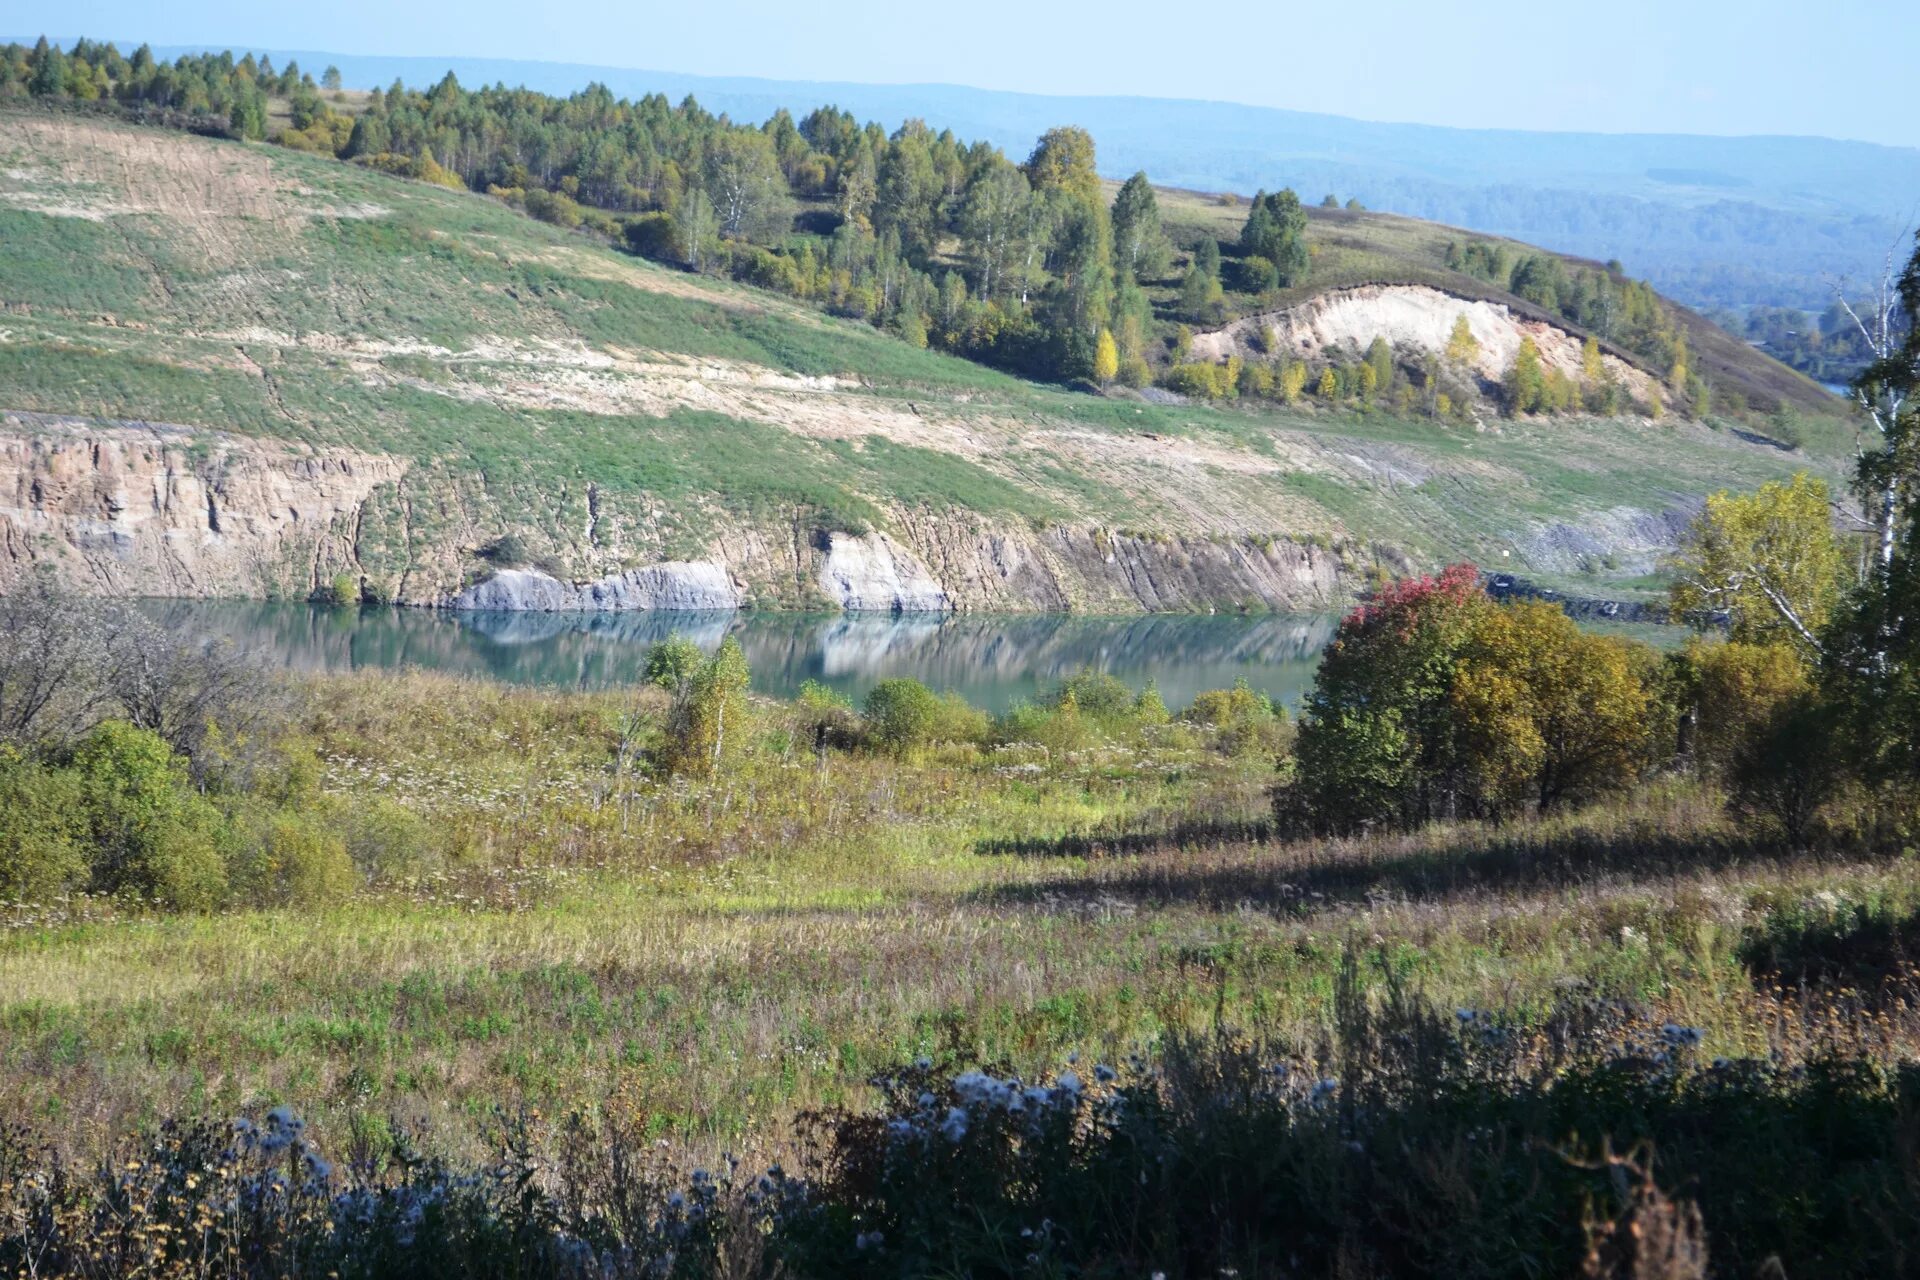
pixel 875 573
pixel 693 585
pixel 1412 318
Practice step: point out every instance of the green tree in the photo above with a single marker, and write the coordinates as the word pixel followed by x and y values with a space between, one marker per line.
pixel 1380 360
pixel 1526 381
pixel 330 79
pixel 673 663
pixel 1276 229
pixel 742 178
pixel 49 79
pixel 908 188
pixel 1141 249
pixel 997 223
pixel 1063 160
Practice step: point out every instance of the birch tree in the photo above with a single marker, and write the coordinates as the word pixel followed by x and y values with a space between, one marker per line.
pixel 1768 560
pixel 1884 392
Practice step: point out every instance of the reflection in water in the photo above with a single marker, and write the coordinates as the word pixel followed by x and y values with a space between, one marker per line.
pixel 992 661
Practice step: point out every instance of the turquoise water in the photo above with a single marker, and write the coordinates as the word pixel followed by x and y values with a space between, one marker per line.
pixel 993 661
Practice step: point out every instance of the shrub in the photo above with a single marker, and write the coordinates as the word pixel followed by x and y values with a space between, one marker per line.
pixel 294 862
pixel 1543 712
pixel 1258 274
pixel 1375 737
pixel 1737 689
pixel 1097 693
pixel 153 835
pixel 654 235
pixel 1203 379
pixel 340 592
pixel 824 719
pixel 1435 702
pixel 1243 721
pixel 902 714
pixel 42 837
pixel 553 207
pixel 1788 768
pixel 384 839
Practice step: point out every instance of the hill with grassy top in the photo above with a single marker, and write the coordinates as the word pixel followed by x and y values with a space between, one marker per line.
pixel 237 369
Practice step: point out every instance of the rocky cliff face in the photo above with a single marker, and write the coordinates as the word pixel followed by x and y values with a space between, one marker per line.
pixel 137 509
pixel 161 511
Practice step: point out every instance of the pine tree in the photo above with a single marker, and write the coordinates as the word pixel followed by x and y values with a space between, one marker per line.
pixel 49 71
pixel 1276 229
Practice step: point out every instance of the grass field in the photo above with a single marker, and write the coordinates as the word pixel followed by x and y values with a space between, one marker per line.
pixel 725 956
pixel 1071 977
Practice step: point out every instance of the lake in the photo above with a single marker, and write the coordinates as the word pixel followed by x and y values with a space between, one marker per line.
pixel 993 661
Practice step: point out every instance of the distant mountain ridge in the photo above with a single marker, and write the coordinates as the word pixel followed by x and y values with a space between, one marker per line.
pixel 1711 221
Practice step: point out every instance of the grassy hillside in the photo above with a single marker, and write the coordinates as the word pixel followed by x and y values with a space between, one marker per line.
pixel 610 412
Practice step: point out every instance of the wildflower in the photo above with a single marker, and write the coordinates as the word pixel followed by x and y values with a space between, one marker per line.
pixel 1069 1081
pixel 1104 1073
pixel 954 1127
pixel 869 1240
pixel 1679 1036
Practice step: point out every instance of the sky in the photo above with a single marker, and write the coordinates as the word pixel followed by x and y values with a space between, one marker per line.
pixel 1842 68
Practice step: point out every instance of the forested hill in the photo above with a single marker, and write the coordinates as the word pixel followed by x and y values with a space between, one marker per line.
pixel 259 336
pixel 1712 221
pixel 1027 267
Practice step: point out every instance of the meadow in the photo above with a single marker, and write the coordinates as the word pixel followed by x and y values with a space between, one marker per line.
pixel 556 963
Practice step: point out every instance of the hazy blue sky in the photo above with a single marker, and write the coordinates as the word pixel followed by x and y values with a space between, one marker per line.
pixel 1842 68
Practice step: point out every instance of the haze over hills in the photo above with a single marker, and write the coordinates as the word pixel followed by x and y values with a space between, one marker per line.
pixel 1711 221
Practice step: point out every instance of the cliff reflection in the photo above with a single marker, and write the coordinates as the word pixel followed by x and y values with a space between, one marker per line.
pixel 991 660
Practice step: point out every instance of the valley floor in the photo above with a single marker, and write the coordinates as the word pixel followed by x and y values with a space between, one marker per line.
pixel 723 956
